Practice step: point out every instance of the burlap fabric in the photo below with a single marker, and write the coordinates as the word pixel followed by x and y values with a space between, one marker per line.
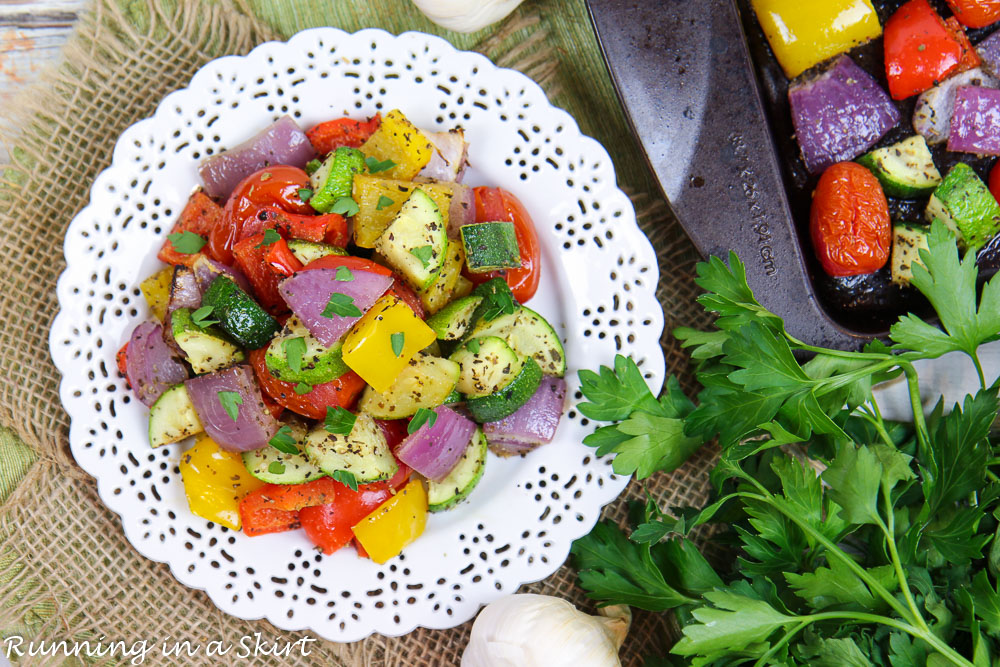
pixel 66 570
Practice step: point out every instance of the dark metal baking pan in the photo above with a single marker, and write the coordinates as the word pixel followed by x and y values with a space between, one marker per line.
pixel 708 103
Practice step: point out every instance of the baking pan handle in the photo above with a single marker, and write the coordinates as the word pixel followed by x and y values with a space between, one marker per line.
pixel 684 76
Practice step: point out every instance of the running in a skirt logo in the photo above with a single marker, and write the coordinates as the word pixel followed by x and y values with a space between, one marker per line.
pixel 137 652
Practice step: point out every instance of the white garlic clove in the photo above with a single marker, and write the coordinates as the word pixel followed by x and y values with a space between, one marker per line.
pixel 466 15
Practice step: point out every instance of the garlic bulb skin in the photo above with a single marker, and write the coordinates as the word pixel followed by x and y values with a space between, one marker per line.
pixel 529 630
pixel 466 15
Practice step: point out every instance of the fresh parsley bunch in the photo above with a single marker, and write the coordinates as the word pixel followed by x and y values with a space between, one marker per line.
pixel 859 541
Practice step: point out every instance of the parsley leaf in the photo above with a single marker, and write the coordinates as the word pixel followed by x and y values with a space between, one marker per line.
pixel 230 401
pixel 375 166
pixel 270 238
pixel 613 395
pixel 346 478
pixel 424 254
pixel 473 345
pixel 730 625
pixel 187 243
pixel 397 340
pixel 294 348
pixel 305 194
pixel 345 206
pixel 303 388
pixel 313 166
pixel 276 468
pixel 344 275
pixel 200 317
pixel 383 202
pixel 284 440
pixel 420 417
pixel 339 420
pixel 341 305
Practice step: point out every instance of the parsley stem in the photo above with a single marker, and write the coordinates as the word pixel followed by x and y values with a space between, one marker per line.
pixel 890 538
pixel 979 368
pixel 787 637
pixel 913 384
pixel 992 476
pixel 843 354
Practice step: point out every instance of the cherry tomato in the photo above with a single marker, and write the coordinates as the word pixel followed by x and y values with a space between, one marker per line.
pixel 995 181
pixel 342 392
pixel 919 49
pixel 121 359
pixel 201 215
pixel 327 137
pixel 494 204
pixel 277 186
pixel 849 221
pixel 970 57
pixel 976 13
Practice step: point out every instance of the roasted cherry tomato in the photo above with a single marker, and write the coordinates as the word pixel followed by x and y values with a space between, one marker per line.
pixel 272 186
pixel 121 359
pixel 200 215
pixel 327 137
pixel 920 51
pixel 995 181
pixel 976 13
pixel 342 392
pixel 493 204
pixel 849 222
pixel 970 57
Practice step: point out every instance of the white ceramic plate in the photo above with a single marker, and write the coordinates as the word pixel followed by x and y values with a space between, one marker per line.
pixel 597 289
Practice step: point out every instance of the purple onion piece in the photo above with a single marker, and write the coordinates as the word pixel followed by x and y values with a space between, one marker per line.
pixel 284 142
pixel 449 158
pixel 975 122
pixel 253 427
pixel 934 108
pixel 150 364
pixel 533 424
pixel 462 210
pixel 433 451
pixel 307 293
pixel 989 53
pixel 185 291
pixel 839 114
pixel 206 270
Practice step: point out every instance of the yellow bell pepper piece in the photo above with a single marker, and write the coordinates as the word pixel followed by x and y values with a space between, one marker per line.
pixel 804 33
pixel 397 522
pixel 215 481
pixel 368 345
pixel 399 140
pixel 371 193
pixel 440 291
pixel 156 289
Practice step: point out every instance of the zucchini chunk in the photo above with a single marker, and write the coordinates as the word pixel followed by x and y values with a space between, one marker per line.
pixel 509 398
pixel 462 479
pixel 318 364
pixel 529 334
pixel 907 240
pixel 964 203
pixel 454 320
pixel 487 365
pixel 425 383
pixel 441 290
pixel 239 315
pixel 416 243
pixel 173 417
pixel 335 178
pixel 380 200
pixel 307 251
pixel 207 350
pixel 363 453
pixel 905 170
pixel 276 467
pixel 490 246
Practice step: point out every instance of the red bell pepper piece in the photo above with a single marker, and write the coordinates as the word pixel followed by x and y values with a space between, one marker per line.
pixel 329 526
pixel 327 137
pixel 272 405
pixel 280 258
pixel 260 517
pixel 328 228
pixel 293 497
pixel 496 204
pixel 920 51
pixel 200 216
pixel 342 392
pixel 970 57
pixel 251 257
pixel 976 13
pixel 121 358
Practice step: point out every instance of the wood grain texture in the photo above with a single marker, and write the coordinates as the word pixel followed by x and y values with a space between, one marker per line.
pixel 32 34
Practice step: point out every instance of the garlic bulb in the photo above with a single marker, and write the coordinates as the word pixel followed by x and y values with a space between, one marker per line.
pixel 466 15
pixel 541 631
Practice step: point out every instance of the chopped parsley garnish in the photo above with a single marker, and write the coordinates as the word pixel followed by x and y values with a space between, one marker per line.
pixel 383 201
pixel 342 305
pixel 294 349
pixel 339 420
pixel 397 339
pixel 313 166
pixel 473 346
pixel 303 388
pixel 284 441
pixel 421 417
pixel 497 298
pixel 276 468
pixel 345 206
pixel 187 243
pixel 305 194
pixel 200 317
pixel 270 238
pixel 231 401
pixel 424 254
pixel 346 478
pixel 375 166
pixel 344 274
